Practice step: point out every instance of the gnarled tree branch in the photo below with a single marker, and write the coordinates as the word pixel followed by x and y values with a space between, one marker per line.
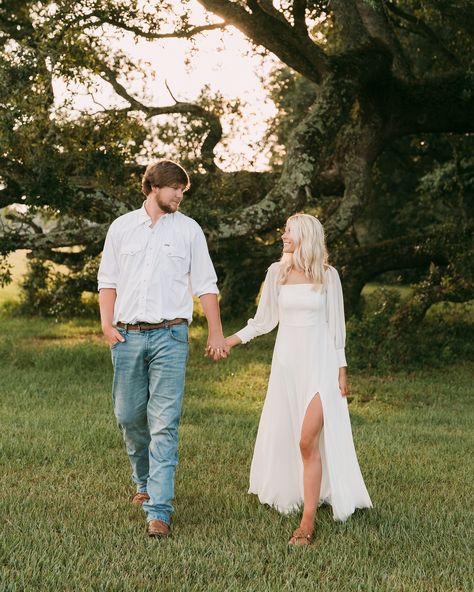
pixel 419 27
pixel 274 34
pixel 378 26
pixel 354 34
pixel 310 153
pixel 215 128
pixel 299 16
pixel 139 32
pixel 17 238
pixel 267 6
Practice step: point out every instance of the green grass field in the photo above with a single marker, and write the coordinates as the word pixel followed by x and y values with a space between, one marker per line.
pixel 67 522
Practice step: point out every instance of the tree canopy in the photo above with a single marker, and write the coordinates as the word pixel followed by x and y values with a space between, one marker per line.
pixel 375 110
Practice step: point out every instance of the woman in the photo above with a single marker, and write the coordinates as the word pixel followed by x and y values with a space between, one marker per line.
pixel 304 450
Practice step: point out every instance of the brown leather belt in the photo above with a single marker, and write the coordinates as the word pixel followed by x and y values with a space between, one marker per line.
pixel 150 326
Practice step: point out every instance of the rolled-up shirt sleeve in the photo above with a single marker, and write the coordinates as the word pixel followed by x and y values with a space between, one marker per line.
pixel 108 270
pixel 203 274
pixel 335 314
pixel 266 317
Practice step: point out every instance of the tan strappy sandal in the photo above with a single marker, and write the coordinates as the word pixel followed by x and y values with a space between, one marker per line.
pixel 300 538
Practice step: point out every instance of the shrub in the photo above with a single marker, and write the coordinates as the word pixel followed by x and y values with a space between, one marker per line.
pixel 381 340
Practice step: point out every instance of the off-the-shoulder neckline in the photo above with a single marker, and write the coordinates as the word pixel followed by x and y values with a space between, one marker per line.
pixel 307 283
pixel 301 284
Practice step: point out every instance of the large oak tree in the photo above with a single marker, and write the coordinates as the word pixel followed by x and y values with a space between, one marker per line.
pixel 379 72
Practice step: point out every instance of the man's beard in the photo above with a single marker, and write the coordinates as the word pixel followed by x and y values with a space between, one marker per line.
pixel 168 208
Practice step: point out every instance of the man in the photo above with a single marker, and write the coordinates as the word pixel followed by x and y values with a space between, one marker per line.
pixel 154 259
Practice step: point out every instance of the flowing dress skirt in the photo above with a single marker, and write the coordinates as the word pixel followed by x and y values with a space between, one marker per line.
pixel 304 364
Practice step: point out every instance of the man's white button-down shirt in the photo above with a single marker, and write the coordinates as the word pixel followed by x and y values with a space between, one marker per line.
pixel 156 270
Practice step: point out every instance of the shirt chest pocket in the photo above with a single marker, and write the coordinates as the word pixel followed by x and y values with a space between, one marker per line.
pixel 131 257
pixel 131 249
pixel 174 259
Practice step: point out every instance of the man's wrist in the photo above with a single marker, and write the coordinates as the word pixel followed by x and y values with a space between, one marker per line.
pixel 215 333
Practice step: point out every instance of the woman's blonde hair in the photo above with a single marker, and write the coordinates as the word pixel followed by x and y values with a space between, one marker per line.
pixel 310 254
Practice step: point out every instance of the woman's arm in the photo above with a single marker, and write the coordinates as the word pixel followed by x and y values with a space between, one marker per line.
pixel 232 341
pixel 266 317
pixel 335 314
pixel 337 325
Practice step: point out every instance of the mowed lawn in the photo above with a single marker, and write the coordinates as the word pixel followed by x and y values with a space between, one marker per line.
pixel 66 518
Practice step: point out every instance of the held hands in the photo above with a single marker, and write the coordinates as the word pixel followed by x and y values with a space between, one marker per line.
pixel 219 352
pixel 216 348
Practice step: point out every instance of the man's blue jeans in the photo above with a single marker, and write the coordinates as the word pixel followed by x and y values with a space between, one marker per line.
pixel 148 386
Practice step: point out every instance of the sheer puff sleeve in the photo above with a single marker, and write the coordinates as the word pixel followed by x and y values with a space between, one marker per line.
pixel 335 314
pixel 266 317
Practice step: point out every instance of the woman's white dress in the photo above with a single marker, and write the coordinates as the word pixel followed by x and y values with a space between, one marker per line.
pixel 309 350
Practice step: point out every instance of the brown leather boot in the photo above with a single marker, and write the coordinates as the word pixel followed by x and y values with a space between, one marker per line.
pixel 158 528
pixel 139 498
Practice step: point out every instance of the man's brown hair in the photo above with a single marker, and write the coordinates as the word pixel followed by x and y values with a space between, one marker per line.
pixel 164 173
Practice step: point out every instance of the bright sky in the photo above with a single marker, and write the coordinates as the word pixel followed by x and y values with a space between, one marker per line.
pixel 221 62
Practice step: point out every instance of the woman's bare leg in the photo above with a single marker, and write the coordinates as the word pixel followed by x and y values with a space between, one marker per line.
pixel 309 447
